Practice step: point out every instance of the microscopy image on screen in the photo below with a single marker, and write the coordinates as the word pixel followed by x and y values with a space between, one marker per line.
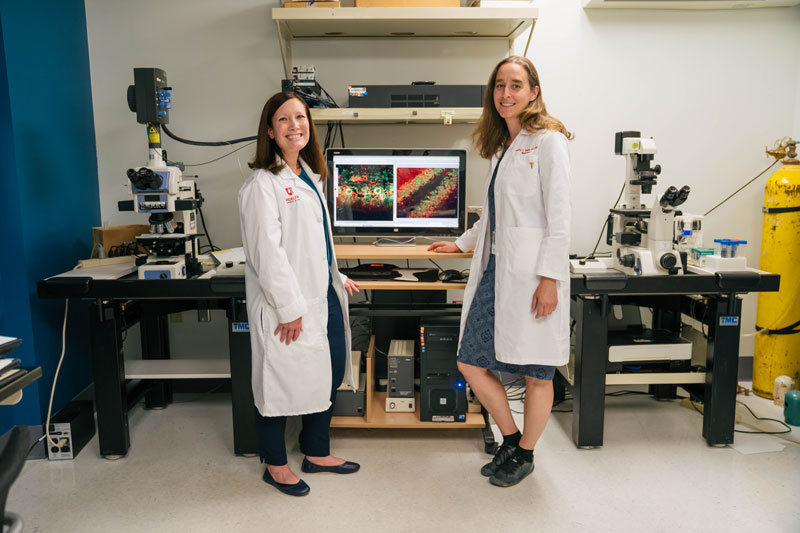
pixel 427 192
pixel 365 192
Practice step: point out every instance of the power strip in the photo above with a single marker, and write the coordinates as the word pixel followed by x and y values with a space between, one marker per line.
pixel 62 434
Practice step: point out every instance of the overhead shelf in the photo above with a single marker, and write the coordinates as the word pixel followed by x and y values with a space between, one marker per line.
pixel 423 115
pixel 506 23
pixel 687 4
pixel 393 22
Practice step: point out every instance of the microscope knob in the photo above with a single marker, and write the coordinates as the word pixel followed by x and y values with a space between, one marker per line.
pixel 628 260
pixel 668 261
pixel 657 169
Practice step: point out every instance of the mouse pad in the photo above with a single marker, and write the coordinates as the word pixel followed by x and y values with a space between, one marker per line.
pixel 417 274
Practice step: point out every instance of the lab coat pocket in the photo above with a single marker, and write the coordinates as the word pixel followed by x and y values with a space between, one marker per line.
pixel 297 378
pixel 314 329
pixel 525 245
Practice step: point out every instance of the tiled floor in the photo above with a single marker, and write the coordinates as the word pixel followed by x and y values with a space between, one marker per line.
pixel 653 473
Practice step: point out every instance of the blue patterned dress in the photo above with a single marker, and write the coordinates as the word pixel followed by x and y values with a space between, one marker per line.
pixel 477 343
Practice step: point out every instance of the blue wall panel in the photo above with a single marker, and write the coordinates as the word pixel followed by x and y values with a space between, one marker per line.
pixel 50 190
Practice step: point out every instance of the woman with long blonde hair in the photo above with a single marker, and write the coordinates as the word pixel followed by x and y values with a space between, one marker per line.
pixel 515 316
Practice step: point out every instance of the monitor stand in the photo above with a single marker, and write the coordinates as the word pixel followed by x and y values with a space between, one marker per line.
pixel 388 241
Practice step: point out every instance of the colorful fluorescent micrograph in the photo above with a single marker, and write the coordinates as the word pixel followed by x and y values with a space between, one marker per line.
pixel 365 192
pixel 427 192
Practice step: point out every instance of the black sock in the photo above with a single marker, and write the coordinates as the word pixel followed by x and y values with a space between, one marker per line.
pixel 527 455
pixel 513 439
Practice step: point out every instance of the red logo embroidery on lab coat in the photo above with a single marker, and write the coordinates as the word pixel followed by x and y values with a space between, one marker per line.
pixel 292 197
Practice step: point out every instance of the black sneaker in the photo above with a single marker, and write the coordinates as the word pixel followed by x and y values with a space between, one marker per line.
pixel 501 456
pixel 512 471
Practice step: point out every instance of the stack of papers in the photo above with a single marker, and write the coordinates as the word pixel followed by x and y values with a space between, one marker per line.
pixel 11 375
pixel 7 364
pixel 7 344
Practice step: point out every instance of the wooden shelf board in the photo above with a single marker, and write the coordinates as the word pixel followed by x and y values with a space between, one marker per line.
pixel 387 253
pixel 379 418
pixel 426 115
pixel 652 378
pixel 177 368
pixel 409 286
pixel 399 22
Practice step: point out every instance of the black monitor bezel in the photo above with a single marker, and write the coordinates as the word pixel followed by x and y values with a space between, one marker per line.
pixel 350 231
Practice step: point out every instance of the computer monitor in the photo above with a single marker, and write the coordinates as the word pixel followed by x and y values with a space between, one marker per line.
pixel 384 192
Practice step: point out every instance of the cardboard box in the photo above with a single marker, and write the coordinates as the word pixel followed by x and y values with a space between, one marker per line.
pixel 116 235
pixel 312 4
pixel 408 3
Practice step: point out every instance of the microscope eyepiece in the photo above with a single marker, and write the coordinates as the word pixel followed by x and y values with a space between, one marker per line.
pixel 144 178
pixel 683 194
pixel 669 196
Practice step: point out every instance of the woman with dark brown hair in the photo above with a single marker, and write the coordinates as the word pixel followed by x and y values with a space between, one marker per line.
pixel 296 301
pixel 515 316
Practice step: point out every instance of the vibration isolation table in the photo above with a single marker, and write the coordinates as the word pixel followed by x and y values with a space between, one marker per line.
pixel 118 304
pixel 718 307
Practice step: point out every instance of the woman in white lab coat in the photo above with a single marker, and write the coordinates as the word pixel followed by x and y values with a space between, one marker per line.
pixel 515 316
pixel 296 301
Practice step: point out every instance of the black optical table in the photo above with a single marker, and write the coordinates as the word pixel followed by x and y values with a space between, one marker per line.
pixel 117 304
pixel 594 294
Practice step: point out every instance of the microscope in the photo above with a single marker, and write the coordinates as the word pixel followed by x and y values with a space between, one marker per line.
pixel 158 188
pixel 642 238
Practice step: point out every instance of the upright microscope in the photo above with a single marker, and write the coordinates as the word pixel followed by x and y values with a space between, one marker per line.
pixel 642 238
pixel 158 188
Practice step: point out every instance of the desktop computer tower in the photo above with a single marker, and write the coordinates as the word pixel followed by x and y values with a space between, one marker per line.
pixel 443 395
pixel 387 328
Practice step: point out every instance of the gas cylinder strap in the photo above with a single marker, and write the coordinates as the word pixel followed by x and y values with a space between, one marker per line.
pixel 791 329
pixel 773 210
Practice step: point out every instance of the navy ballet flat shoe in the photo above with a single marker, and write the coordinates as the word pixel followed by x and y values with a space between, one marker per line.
pixel 298 489
pixel 345 468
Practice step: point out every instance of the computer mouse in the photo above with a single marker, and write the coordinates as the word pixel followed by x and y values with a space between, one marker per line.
pixel 451 275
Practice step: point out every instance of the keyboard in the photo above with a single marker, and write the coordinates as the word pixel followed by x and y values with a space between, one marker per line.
pixel 371 272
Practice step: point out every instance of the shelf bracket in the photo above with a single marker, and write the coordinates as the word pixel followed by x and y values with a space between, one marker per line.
pixel 286 51
pixel 528 44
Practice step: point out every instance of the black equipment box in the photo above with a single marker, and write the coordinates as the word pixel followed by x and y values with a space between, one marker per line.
pixel 349 403
pixel 149 97
pixel 72 427
pixel 416 95
pixel 443 395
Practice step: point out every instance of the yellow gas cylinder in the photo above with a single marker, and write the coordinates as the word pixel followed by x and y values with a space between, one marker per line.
pixel 777 349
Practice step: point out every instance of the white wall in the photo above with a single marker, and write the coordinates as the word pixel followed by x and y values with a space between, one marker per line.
pixel 712 87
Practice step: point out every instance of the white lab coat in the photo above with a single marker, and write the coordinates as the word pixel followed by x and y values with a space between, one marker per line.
pixel 286 277
pixel 532 225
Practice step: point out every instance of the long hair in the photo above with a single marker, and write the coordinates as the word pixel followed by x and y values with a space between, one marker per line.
pixel 268 153
pixel 492 131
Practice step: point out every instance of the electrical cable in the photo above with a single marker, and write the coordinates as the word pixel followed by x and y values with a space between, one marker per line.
pixel 206 143
pixel 220 157
pixel 784 424
pixel 61 442
pixel 740 188
pixel 603 229
pixel 205 229
pixel 788 429
pixel 40 439
pixel 437 264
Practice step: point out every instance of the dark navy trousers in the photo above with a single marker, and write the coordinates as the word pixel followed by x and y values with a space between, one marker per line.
pixel 314 438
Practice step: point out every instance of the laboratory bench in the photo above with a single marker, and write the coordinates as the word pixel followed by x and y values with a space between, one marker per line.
pixel 117 304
